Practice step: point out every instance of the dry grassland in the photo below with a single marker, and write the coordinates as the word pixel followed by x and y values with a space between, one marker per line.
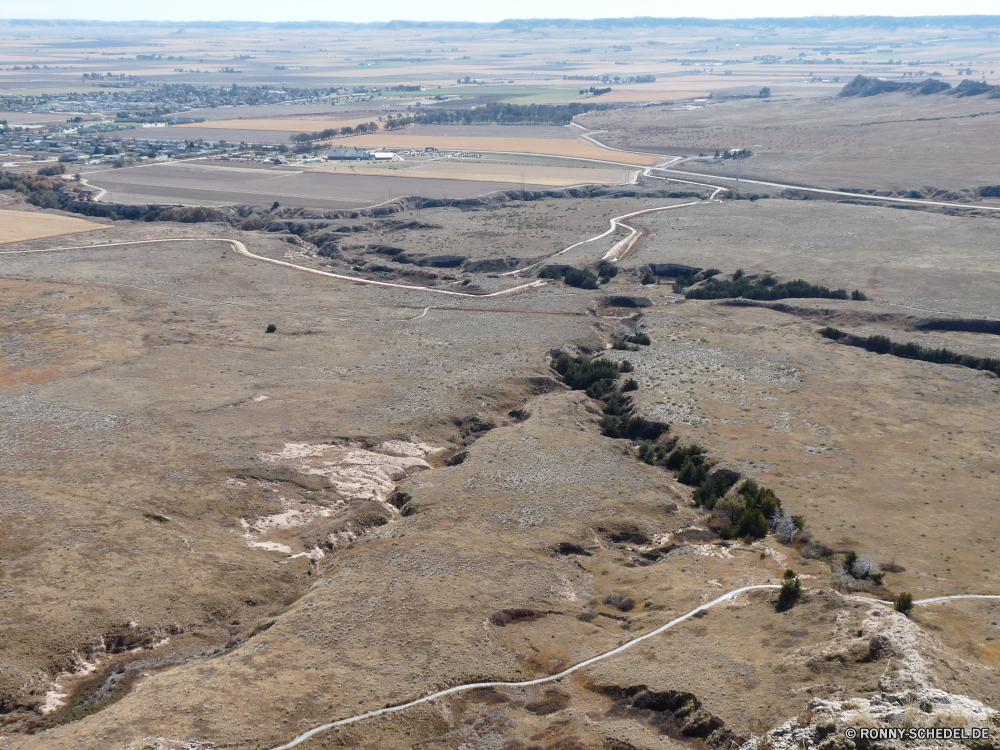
pixel 550 146
pixel 507 173
pixel 21 226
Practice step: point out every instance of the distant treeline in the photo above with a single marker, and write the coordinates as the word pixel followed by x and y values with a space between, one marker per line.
pixel 910 350
pixel 503 114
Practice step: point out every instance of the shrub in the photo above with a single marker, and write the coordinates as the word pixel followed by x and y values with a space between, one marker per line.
pixel 506 617
pixel 581 375
pixel 616 405
pixel 680 456
pixel 630 385
pixel 622 346
pixel 271 328
pixel 831 333
pixel 623 426
pixel 791 590
pixel 607 270
pixel 692 474
pixel 625 366
pixel 903 603
pixel 763 289
pixel 878 344
pixel 753 524
pixel 639 338
pixel 738 274
pixel 857 294
pixel 709 273
pixel 52 169
pixel 711 489
pixel 580 278
pixel 648 278
pixel 620 602
pixel 598 389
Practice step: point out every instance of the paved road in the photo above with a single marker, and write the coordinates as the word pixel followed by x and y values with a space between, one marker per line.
pixel 576 667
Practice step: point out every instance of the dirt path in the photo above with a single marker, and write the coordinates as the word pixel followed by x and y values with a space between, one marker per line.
pixel 593 660
pixel 241 249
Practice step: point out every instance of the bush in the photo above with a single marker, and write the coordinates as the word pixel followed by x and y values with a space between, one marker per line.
pixel 648 278
pixel 639 338
pixel 903 603
pixel 623 426
pixel 692 474
pixel 52 169
pixel 857 294
pixel 625 366
pixel 630 385
pixel 622 346
pixel 831 333
pixel 712 489
pixel 620 602
pixel 506 617
pixel 680 456
pixel 607 270
pixel 616 405
pixel 753 524
pixel 581 375
pixel 271 328
pixel 764 289
pixel 791 590
pixel 580 278
pixel 598 389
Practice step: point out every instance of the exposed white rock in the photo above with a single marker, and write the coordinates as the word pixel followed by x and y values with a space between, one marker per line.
pixel 824 722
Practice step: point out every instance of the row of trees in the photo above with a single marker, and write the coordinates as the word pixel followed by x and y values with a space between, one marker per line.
pixel 325 135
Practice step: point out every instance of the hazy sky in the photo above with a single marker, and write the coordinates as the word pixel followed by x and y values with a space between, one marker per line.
pixel 462 10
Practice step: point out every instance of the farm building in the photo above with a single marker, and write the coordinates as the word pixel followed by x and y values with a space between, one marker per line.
pixel 348 154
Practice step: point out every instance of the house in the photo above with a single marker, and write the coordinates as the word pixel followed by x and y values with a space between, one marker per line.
pixel 383 156
pixel 348 154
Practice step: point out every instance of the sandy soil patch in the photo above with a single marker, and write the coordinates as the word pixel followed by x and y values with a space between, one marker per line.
pixel 447 170
pixel 20 226
pixel 552 146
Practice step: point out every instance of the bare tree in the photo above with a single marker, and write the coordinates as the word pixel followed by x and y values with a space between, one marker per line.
pixel 864 567
pixel 786 528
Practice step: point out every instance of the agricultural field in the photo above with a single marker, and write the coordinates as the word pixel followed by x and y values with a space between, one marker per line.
pixel 480 171
pixel 671 451
pixel 21 226
pixel 202 183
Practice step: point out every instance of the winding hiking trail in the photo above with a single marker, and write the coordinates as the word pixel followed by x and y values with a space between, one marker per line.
pixel 592 660
pixel 241 249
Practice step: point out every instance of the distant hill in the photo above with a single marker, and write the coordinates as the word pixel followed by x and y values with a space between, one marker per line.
pixel 864 86
pixel 529 24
